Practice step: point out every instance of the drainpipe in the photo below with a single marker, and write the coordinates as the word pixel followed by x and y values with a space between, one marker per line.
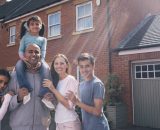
pixel 108 26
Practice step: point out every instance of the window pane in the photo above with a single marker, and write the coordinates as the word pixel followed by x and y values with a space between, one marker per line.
pixel 138 68
pixel 57 30
pixel 81 24
pixel 12 30
pixel 144 74
pixel 151 74
pixel 88 9
pixel 157 67
pixel 54 19
pixel 138 75
pixel 88 22
pixel 157 74
pixel 144 68
pixel 81 11
pixel 51 31
pixel 150 67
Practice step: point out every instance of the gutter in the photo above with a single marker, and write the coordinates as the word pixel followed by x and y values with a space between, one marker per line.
pixel 59 3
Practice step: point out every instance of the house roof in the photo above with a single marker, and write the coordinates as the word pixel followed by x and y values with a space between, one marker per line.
pixel 17 8
pixel 145 35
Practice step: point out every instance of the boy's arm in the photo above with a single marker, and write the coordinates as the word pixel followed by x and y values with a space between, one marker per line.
pixel 5 105
pixel 98 95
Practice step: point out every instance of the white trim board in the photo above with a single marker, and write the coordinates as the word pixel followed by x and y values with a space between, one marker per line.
pixel 136 51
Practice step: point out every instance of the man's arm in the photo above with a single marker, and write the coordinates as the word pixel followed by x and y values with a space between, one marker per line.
pixel 19 93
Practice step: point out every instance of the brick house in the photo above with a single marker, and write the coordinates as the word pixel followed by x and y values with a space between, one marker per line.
pixel 95 26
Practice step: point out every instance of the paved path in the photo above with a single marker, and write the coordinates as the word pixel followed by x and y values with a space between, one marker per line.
pixel 138 128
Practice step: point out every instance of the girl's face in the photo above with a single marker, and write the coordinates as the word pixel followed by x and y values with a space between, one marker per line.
pixel 34 27
pixel 3 82
pixel 60 66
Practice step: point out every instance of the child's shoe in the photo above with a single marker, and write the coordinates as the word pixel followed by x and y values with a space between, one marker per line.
pixel 26 98
pixel 49 104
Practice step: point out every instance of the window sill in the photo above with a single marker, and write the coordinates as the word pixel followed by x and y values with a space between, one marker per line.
pixel 11 44
pixel 83 31
pixel 54 37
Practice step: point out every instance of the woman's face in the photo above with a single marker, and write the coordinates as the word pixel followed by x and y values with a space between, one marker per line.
pixel 3 82
pixel 60 66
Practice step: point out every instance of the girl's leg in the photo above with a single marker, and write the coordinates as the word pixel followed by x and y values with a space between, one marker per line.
pixel 44 72
pixel 21 75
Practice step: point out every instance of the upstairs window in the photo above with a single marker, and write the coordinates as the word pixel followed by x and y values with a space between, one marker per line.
pixel 12 35
pixel 84 16
pixel 54 24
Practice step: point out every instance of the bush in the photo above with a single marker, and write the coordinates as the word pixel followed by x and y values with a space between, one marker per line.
pixel 114 90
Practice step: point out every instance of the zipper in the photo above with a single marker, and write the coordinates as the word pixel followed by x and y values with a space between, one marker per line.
pixel 34 101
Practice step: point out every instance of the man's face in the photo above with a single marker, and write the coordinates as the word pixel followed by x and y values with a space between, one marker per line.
pixel 86 69
pixel 3 82
pixel 33 55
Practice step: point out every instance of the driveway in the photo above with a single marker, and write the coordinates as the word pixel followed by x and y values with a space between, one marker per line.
pixel 137 128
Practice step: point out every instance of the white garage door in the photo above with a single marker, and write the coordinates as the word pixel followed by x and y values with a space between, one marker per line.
pixel 146 94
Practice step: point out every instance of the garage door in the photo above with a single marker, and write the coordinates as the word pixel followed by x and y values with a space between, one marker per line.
pixel 146 94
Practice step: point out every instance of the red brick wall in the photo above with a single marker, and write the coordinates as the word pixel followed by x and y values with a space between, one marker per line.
pixel 72 45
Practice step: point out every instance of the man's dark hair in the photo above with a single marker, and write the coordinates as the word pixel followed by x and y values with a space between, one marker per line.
pixel 86 56
pixel 5 72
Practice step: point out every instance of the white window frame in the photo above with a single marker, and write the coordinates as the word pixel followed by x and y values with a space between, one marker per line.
pixel 57 24
pixel 147 71
pixel 90 15
pixel 12 33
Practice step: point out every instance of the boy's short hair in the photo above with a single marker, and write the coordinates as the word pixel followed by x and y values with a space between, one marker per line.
pixel 5 73
pixel 86 56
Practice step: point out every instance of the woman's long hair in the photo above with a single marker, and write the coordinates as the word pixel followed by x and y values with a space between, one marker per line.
pixel 54 74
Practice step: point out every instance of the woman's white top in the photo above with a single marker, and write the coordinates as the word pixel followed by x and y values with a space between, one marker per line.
pixel 62 113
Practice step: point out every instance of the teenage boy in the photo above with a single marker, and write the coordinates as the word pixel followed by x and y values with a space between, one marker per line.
pixel 92 93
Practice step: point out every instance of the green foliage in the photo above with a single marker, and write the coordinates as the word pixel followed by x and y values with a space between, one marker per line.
pixel 114 90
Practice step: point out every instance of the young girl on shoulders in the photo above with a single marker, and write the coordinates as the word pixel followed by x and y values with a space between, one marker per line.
pixel 32 33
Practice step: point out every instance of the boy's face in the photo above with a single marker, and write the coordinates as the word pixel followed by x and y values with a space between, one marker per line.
pixel 86 69
pixel 3 82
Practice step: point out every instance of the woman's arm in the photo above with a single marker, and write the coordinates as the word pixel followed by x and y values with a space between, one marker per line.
pixel 47 83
